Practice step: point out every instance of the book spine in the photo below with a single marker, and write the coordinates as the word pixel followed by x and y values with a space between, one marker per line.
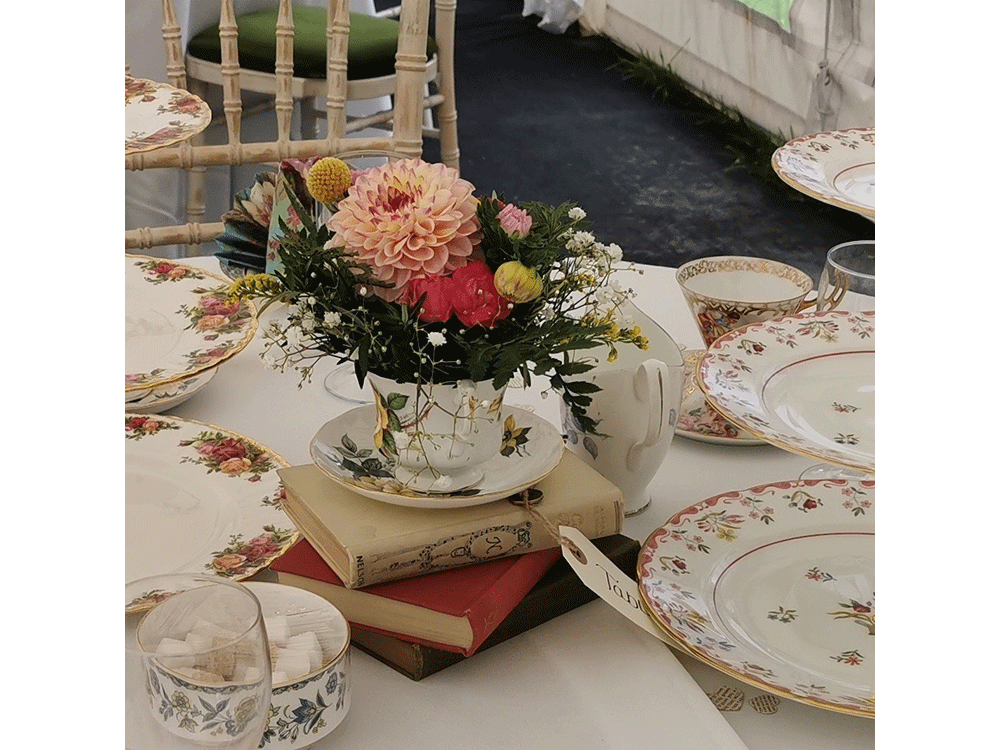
pixel 516 534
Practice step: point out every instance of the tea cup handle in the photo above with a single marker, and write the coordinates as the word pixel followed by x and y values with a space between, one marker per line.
pixel 807 303
pixel 650 384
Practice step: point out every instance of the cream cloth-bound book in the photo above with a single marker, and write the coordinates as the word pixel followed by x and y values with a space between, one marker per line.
pixel 367 542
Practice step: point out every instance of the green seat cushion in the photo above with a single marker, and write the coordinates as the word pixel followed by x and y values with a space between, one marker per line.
pixel 371 49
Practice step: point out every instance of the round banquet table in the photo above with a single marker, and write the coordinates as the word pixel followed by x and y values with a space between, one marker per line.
pixel 588 679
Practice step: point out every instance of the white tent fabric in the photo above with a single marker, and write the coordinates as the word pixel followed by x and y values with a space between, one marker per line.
pixel 745 60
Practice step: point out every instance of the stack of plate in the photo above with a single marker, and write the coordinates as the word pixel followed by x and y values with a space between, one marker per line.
pixel 179 327
pixel 775 585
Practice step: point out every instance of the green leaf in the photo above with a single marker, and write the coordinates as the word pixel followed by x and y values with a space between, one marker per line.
pixel 396 401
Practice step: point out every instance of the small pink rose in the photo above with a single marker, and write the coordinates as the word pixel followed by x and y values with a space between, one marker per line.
pixel 516 222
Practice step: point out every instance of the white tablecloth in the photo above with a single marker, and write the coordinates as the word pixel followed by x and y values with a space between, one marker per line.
pixel 589 679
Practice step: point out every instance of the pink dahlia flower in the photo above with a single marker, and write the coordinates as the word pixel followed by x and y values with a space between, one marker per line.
pixel 405 219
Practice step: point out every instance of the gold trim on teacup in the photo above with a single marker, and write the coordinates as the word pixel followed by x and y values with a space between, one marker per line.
pixel 730 263
pixel 237 348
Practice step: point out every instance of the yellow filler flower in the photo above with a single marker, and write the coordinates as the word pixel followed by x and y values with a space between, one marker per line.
pixel 328 180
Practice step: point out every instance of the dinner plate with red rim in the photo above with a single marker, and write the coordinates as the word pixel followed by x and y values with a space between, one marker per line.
pixel 775 586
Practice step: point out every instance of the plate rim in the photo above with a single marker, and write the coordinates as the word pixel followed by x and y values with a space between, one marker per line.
pixel 439 501
pixel 748 442
pixel 691 651
pixel 248 334
pixel 733 335
pixel 802 188
pixel 280 463
pixel 205 115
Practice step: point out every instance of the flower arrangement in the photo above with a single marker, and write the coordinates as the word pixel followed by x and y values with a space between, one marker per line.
pixel 416 279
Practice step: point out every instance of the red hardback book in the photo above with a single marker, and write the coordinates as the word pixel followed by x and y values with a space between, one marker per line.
pixel 452 610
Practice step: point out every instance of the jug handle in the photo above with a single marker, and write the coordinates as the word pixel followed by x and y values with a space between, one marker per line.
pixel 650 383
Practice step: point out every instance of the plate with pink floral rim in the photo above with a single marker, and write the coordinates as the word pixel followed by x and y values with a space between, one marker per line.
pixel 179 322
pixel 699 421
pixel 159 400
pixel 775 586
pixel 158 114
pixel 344 450
pixel 804 382
pixel 836 167
pixel 199 498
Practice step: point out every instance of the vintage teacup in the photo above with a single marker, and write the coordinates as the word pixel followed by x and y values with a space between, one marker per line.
pixel 729 292
pixel 636 409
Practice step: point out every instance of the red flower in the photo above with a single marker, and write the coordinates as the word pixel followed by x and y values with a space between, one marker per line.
pixel 437 307
pixel 163 268
pixel 228 448
pixel 475 298
pixel 136 423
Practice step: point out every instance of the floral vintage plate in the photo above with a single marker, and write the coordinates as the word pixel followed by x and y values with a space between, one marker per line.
pixel 775 586
pixel 157 115
pixel 159 400
pixel 699 421
pixel 178 322
pixel 344 450
pixel 805 383
pixel 836 167
pixel 200 498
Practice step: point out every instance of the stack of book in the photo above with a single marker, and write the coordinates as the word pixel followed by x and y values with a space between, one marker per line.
pixel 426 588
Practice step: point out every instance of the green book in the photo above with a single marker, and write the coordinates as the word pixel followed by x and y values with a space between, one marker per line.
pixel 559 591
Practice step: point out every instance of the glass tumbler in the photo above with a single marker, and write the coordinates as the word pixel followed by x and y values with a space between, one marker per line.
pixel 848 278
pixel 197 665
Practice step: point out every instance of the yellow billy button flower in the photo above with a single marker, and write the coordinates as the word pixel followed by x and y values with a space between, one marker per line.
pixel 328 180
pixel 517 282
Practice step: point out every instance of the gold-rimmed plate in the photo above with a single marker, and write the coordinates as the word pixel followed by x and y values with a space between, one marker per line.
pixel 158 115
pixel 804 382
pixel 179 322
pixel 775 586
pixel 200 498
pixel 835 166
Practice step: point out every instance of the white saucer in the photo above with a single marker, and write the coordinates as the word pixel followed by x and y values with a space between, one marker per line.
pixel 158 400
pixel 344 450
pixel 699 421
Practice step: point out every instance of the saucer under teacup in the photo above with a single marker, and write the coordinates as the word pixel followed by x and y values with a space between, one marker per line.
pixel 699 421
pixel 344 450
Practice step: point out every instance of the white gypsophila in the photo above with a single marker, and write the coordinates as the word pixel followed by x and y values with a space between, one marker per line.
pixel 614 252
pixel 437 338
pixel 308 324
pixel 576 213
pixel 331 318
pixel 585 239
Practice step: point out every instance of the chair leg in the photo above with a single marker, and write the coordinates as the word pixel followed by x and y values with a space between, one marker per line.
pixel 196 175
pixel 447 112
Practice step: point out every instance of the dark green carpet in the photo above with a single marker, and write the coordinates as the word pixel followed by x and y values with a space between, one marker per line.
pixel 544 117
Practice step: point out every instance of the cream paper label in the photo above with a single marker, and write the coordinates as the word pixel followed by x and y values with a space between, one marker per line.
pixel 606 580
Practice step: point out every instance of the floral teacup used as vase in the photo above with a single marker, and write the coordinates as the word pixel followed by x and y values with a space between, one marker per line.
pixel 438 434
pixel 731 291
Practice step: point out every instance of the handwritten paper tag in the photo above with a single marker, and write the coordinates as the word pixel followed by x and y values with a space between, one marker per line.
pixel 605 579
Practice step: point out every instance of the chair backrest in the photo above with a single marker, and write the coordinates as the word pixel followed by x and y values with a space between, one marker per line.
pixel 408 105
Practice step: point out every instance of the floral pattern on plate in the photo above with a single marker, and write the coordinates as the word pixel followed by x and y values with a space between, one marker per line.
pixel 836 167
pixel 770 585
pixel 179 323
pixel 344 450
pixel 699 421
pixel 159 400
pixel 198 497
pixel 158 114
pixel 806 385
